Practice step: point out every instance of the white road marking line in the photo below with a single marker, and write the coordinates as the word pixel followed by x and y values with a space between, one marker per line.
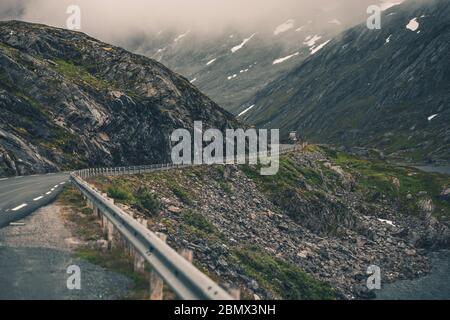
pixel 16 224
pixel 50 174
pixel 49 192
pixel 38 198
pixel 63 182
pixel 18 177
pixel 3 179
pixel 19 207
pixel 56 186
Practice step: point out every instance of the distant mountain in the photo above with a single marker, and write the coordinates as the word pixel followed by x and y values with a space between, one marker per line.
pixel 388 88
pixel 69 101
pixel 230 66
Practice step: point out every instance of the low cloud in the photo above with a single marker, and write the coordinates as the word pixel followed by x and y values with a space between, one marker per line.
pixel 115 20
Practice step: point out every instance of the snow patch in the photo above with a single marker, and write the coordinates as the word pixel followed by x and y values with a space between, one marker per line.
pixel 389 38
pixel 239 47
pixel 310 41
pixel 413 25
pixel 319 47
pixel 389 222
pixel 299 29
pixel 288 25
pixel 211 61
pixel 277 61
pixel 246 110
pixel 181 36
pixel 335 21
pixel 193 80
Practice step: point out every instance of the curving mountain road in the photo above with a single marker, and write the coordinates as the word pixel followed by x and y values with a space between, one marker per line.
pixel 19 196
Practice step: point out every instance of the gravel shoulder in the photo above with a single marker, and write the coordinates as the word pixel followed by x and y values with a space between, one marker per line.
pixel 34 258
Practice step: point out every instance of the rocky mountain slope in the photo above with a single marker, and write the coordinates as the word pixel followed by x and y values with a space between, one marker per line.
pixel 309 232
pixel 68 100
pixel 387 88
pixel 231 65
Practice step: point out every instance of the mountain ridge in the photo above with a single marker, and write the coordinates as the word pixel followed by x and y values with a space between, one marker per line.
pixel 385 89
pixel 70 101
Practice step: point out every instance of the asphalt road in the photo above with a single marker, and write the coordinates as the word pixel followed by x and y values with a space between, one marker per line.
pixel 20 196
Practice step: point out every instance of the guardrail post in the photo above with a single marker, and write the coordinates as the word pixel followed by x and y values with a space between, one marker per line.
pixel 139 261
pixel 110 236
pixel 105 226
pixel 156 283
pixel 235 294
pixel 96 211
pixel 89 204
pixel 187 254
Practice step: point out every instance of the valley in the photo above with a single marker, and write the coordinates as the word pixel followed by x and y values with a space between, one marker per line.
pixel 142 154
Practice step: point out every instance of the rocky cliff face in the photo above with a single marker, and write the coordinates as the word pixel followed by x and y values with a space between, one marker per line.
pixel 385 88
pixel 68 100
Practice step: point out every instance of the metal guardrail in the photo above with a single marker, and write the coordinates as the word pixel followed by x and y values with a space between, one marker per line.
pixel 131 170
pixel 186 280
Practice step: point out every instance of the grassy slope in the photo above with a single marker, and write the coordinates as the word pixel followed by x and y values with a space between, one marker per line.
pixel 375 179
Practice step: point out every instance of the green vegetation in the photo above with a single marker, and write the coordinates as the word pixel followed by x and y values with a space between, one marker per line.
pixel 198 221
pixel 118 261
pixel 12 88
pixel 88 229
pixel 147 202
pixel 180 192
pixel 290 177
pixel 56 138
pixel 9 51
pixel 196 226
pixel 143 199
pixel 401 184
pixel 121 192
pixel 267 183
pixel 225 187
pixel 281 277
pixel 79 73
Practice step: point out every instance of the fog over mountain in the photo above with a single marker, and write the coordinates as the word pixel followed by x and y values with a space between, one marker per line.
pixel 115 20
pixel 229 49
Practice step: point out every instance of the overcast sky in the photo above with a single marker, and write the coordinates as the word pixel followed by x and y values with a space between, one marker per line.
pixel 112 19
